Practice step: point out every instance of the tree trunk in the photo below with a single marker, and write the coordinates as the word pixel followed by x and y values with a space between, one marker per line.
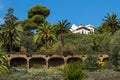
pixel 113 29
pixel 10 42
pixel 62 41
pixel 46 43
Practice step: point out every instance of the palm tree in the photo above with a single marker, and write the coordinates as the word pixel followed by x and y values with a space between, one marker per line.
pixel 62 27
pixel 112 21
pixel 45 33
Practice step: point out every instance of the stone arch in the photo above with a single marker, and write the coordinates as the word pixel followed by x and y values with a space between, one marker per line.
pixel 37 62
pixel 74 59
pixel 55 61
pixel 106 59
pixel 18 62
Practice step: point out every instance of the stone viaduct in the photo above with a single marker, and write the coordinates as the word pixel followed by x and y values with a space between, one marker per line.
pixel 46 61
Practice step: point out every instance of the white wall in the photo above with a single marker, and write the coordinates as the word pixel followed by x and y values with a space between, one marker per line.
pixel 74 28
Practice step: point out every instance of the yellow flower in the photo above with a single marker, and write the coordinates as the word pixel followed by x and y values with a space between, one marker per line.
pixel 62 67
pixel 101 64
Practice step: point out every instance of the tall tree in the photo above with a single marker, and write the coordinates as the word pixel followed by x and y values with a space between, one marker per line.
pixel 45 33
pixel 38 10
pixel 62 27
pixel 112 21
pixel 38 14
pixel 10 30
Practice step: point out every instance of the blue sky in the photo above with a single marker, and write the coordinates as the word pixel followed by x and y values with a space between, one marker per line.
pixel 75 11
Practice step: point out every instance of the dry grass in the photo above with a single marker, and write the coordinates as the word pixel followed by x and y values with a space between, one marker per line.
pixel 103 75
pixel 55 74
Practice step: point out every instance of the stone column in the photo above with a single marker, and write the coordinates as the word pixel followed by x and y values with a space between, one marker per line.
pixel 47 66
pixel 28 65
pixel 9 63
pixel 101 59
pixel 65 61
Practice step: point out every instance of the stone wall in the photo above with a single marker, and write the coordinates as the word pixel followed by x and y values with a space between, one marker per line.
pixel 29 61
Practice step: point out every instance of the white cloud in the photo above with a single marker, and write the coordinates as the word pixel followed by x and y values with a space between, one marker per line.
pixel 1 21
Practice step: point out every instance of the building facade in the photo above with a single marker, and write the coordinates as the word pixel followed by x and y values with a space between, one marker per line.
pixel 88 29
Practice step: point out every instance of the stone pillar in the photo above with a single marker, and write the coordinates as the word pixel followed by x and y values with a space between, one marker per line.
pixel 84 57
pixel 47 65
pixel 9 63
pixel 101 59
pixel 65 61
pixel 28 65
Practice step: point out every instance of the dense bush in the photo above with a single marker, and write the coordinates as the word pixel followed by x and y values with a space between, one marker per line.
pixel 115 49
pixel 90 63
pixel 73 71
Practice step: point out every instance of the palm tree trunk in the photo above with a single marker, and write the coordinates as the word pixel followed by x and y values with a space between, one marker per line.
pixel 46 43
pixel 62 41
pixel 113 29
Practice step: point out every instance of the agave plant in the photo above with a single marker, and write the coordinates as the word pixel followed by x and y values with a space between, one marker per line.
pixel 3 66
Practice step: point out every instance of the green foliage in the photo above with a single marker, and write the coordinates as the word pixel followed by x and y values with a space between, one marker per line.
pixel 38 10
pixel 115 49
pixel 86 44
pixel 89 44
pixel 3 63
pixel 112 21
pixel 45 34
pixel 27 25
pixel 37 66
pixel 57 47
pixel 108 64
pixel 33 74
pixel 38 14
pixel 101 42
pixel 28 43
pixel 10 17
pixel 70 49
pixel 111 24
pixel 11 32
pixel 38 19
pixel 73 71
pixel 105 74
pixel 61 29
pixel 103 28
pixel 90 63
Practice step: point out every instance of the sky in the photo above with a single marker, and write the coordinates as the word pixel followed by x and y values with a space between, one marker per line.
pixel 75 11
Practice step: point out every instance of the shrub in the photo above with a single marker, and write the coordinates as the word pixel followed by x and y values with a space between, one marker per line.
pixel 101 64
pixel 37 66
pixel 73 71
pixel 3 63
pixel 90 63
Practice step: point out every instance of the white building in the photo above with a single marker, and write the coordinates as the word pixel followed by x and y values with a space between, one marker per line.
pixel 88 29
